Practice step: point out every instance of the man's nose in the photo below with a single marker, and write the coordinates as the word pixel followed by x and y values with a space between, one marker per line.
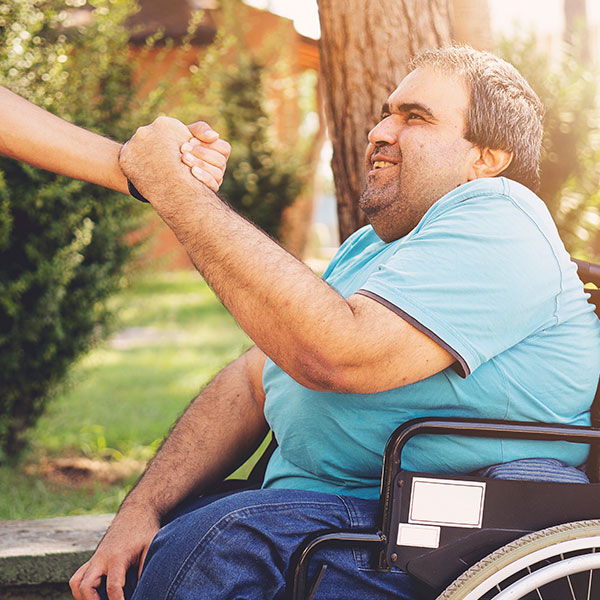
pixel 383 133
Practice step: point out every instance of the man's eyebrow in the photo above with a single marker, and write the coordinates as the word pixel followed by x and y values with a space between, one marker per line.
pixel 408 107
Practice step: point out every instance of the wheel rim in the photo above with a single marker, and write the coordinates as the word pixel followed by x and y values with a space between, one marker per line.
pixel 550 573
pixel 526 557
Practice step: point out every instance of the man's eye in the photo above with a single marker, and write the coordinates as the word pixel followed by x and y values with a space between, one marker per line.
pixel 384 115
pixel 414 116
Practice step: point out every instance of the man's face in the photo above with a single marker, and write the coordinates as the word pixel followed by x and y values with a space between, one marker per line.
pixel 417 152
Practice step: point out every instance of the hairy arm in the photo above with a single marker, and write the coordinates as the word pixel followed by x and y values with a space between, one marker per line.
pixel 322 340
pixel 218 431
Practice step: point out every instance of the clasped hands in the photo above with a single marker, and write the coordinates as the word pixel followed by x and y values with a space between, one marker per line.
pixel 160 157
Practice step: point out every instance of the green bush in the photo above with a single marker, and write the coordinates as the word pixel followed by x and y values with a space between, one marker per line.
pixel 570 168
pixel 62 242
pixel 260 181
pixel 262 177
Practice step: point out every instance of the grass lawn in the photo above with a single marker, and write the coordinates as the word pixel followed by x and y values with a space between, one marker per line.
pixel 86 451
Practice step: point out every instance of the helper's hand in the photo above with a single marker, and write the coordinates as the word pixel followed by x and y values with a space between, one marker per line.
pixel 125 544
pixel 206 155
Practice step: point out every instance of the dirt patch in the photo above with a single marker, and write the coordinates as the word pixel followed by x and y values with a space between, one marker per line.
pixel 85 472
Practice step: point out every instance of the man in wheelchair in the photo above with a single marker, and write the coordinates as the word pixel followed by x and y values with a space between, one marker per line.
pixel 459 300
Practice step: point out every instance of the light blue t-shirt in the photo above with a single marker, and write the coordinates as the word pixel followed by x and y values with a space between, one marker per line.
pixel 485 275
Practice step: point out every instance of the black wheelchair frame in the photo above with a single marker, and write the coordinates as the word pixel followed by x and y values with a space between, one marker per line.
pixel 508 509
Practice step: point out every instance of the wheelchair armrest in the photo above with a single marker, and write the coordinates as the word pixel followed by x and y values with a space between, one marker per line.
pixel 485 428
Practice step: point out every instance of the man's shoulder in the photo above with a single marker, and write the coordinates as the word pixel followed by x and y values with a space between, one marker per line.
pixel 493 187
pixel 492 200
pixel 357 244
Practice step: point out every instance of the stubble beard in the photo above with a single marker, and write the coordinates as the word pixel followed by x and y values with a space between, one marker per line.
pixel 392 210
pixel 375 199
pixel 384 207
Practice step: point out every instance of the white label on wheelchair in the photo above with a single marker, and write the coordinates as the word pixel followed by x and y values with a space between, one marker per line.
pixel 422 536
pixel 446 502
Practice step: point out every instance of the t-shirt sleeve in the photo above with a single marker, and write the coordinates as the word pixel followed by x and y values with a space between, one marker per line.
pixel 477 278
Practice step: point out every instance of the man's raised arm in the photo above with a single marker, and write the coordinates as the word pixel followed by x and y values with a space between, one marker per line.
pixel 322 340
pixel 218 431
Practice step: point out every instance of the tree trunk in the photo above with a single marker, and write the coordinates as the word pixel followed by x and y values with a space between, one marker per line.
pixel 472 24
pixel 365 48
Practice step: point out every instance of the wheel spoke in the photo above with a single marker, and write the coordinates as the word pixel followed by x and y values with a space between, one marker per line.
pixel 537 591
pixel 590 575
pixel 562 557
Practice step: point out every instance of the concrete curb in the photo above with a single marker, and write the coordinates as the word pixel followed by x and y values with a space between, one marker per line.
pixel 44 553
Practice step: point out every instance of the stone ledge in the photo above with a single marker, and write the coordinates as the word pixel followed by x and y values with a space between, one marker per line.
pixel 46 551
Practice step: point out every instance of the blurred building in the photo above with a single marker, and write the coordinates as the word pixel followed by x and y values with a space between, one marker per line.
pixel 172 19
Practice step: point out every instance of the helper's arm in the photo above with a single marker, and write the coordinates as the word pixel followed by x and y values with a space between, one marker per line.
pixel 218 431
pixel 33 135
pixel 322 340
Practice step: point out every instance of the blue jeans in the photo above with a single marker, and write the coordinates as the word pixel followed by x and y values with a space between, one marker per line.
pixel 238 547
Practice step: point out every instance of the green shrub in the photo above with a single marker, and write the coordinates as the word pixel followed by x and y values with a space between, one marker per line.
pixel 264 175
pixel 570 169
pixel 62 242
pixel 262 179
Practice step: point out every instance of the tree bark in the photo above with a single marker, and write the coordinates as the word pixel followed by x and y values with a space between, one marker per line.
pixel 365 48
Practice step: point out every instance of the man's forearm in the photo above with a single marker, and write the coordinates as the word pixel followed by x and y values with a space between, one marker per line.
pixel 252 275
pixel 218 431
pixel 221 427
pixel 35 136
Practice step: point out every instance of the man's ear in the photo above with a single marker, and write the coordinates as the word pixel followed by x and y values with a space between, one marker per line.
pixel 489 163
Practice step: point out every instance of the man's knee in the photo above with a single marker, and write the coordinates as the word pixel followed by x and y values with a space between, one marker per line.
pixel 240 543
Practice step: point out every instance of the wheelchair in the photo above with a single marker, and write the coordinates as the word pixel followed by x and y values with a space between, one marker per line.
pixel 475 538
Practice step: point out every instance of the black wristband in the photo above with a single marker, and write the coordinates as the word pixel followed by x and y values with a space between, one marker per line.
pixel 133 191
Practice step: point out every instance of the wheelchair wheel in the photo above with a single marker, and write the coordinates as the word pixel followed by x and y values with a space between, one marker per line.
pixel 558 563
